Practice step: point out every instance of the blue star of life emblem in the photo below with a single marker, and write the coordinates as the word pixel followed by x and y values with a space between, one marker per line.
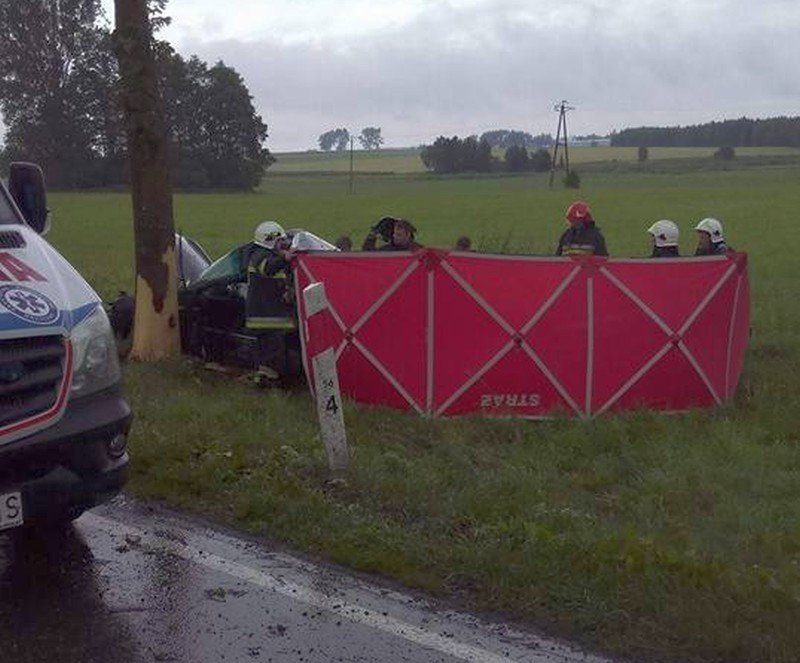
pixel 28 304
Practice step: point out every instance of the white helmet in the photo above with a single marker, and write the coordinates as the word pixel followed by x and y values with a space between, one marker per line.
pixel 664 232
pixel 713 227
pixel 267 233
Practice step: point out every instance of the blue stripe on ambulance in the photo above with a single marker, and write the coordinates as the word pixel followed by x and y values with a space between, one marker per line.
pixel 65 320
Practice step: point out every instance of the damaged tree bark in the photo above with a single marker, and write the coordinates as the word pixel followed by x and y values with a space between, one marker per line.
pixel 156 334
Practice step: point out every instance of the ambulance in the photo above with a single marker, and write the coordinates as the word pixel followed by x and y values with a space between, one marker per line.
pixel 63 420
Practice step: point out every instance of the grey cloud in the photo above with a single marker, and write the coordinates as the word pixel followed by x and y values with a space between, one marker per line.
pixel 482 66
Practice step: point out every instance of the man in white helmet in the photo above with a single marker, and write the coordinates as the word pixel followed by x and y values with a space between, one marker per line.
pixel 710 238
pixel 664 236
pixel 268 233
pixel 269 302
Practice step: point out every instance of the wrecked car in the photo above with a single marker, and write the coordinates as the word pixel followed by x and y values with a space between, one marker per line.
pixel 211 303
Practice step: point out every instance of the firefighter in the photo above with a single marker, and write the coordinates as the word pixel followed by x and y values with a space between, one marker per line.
pixel 710 238
pixel 398 235
pixel 664 236
pixel 269 309
pixel 344 243
pixel 582 237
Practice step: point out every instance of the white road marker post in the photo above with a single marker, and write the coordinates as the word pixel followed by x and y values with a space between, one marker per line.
pixel 325 378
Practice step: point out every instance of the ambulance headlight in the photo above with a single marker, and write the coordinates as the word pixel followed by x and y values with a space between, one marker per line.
pixel 95 361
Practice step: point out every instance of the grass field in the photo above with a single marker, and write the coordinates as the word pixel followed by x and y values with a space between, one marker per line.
pixel 661 538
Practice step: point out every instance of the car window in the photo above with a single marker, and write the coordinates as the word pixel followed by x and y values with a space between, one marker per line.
pixel 229 265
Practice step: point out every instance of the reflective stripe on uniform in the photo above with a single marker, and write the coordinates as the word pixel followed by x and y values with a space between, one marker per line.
pixel 260 269
pixel 270 323
pixel 577 249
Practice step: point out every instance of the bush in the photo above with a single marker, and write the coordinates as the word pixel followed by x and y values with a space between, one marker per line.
pixel 572 180
pixel 725 153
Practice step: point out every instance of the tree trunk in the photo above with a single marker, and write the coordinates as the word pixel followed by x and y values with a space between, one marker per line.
pixel 156 334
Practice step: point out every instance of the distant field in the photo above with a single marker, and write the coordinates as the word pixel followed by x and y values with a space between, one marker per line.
pixel 404 161
pixel 374 161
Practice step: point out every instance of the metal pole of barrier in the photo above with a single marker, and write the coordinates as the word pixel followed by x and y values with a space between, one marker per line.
pixel 325 378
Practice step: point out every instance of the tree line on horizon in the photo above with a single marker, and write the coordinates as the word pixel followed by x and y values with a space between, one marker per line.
pixel 60 101
pixel 505 138
pixel 743 132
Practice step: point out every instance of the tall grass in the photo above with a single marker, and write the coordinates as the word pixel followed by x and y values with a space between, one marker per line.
pixel 662 538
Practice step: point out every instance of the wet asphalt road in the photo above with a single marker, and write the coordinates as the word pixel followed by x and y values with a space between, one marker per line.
pixel 132 584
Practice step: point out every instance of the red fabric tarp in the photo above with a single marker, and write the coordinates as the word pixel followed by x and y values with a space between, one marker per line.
pixel 451 333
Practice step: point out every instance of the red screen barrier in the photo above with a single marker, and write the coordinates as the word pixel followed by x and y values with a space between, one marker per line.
pixel 450 333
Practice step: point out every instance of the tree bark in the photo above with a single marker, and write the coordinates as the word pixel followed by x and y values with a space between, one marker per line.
pixel 156 333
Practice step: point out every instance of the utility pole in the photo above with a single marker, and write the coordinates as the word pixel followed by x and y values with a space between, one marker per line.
pixel 351 163
pixel 563 108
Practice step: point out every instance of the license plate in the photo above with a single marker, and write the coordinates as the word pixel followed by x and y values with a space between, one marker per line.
pixel 10 510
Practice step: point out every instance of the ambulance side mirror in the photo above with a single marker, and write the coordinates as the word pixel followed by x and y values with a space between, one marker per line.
pixel 26 186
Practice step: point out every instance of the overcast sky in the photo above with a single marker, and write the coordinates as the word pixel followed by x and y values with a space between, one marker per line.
pixel 423 68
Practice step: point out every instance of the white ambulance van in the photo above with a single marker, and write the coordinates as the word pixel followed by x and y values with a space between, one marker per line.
pixel 63 420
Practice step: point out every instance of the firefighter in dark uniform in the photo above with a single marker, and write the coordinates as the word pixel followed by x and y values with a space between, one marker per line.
pixel 710 238
pixel 397 234
pixel 582 237
pixel 664 235
pixel 269 304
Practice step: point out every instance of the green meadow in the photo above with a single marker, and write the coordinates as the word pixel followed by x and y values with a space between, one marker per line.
pixel 659 538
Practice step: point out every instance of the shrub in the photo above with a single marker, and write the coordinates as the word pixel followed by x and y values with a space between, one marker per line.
pixel 572 180
pixel 725 153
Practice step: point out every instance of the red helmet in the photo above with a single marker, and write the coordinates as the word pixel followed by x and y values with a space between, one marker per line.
pixel 579 212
